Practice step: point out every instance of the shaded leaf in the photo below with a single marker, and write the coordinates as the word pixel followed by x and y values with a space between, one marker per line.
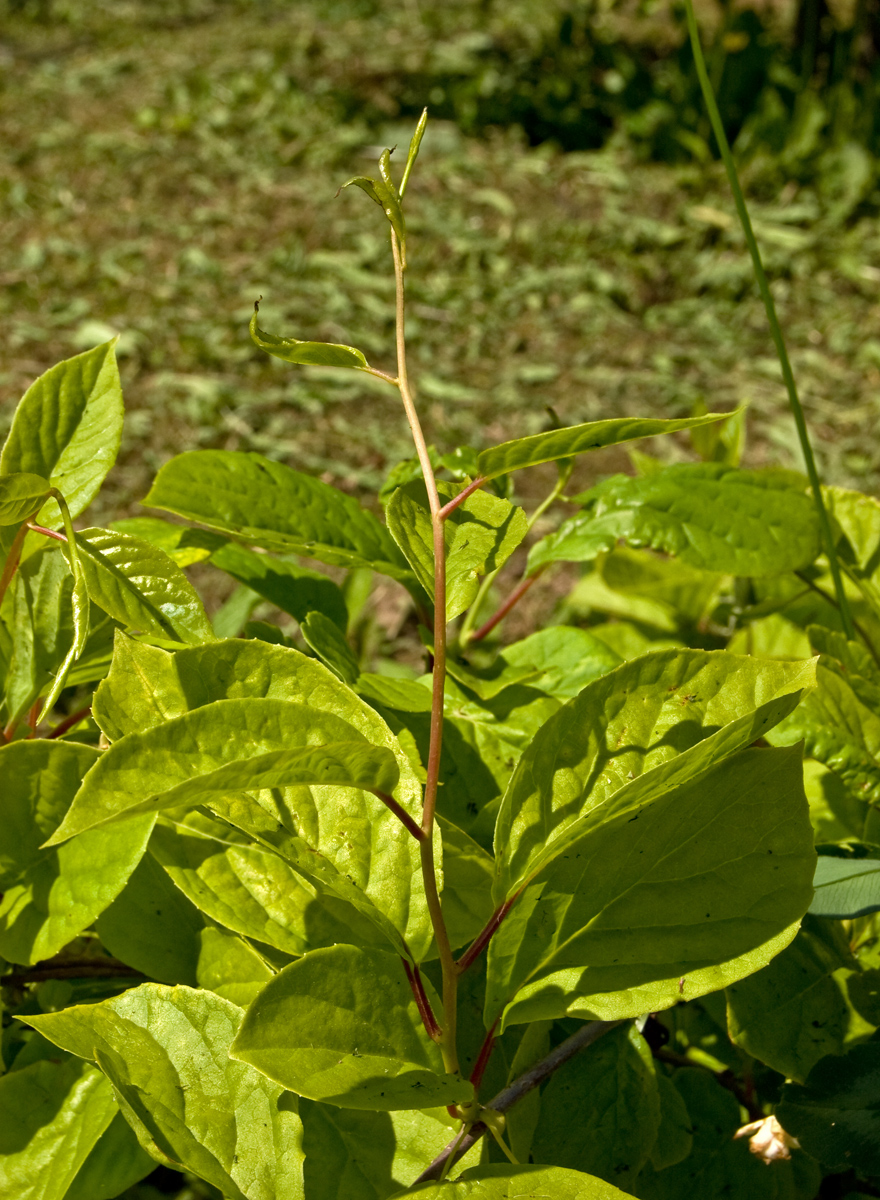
pixel 42 629
pixel 166 1052
pixel 314 354
pixel 21 496
pixel 846 888
pixel 674 1140
pixel 295 590
pixel 270 505
pixel 328 642
pixel 714 517
pixel 566 659
pixel 578 439
pixel 51 895
pixel 405 695
pixel 467 884
pixel 508 1182
pixel 67 429
pixel 341 1025
pixel 115 1163
pixel 857 516
pixel 230 967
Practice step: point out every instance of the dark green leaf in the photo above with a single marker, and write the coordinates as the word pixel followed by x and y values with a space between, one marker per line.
pixel 51 895
pixel 577 439
pixel 313 354
pixel 846 888
pixel 467 885
pixel 166 1052
pixel 67 429
pixel 294 589
pixel 328 642
pixel 674 1137
pixel 507 1182
pixel 479 536
pixel 341 1025
pixel 116 1163
pixel 835 1115
pixel 270 505
pixel 51 1115
pixel 601 1112
pixel 141 587
pixel 714 517
pixel 21 496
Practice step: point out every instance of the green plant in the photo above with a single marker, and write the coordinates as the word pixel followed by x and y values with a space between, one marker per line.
pixel 299 928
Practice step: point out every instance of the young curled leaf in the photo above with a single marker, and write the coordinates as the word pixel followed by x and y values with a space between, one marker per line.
pixel 21 496
pixel 385 194
pixel 306 354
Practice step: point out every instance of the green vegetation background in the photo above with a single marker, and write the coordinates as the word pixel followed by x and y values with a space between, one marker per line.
pixel 166 162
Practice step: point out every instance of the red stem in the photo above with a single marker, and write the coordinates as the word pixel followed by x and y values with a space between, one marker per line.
pixel 402 815
pixel 515 596
pixel 484 1056
pixel 52 533
pixel 68 723
pixel 423 1004
pixel 482 939
pixel 460 498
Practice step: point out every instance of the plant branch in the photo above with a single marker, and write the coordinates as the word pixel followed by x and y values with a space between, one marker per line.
pixel 50 533
pixel 390 803
pixel 71 969
pixel 414 977
pixel 426 845
pixel 513 599
pixel 484 1056
pixel 775 327
pixel 514 1092
pixel 461 497
pixel 68 723
pixel 481 941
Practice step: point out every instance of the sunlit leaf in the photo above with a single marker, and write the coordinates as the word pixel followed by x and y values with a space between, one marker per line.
pixel 313 354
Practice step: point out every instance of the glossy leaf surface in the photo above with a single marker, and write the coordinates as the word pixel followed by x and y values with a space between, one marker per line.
pixel 42 628
pixel 52 894
pixel 714 517
pixel 166 1052
pixel 180 542
pixel 269 505
pixel 313 354
pixel 341 1025
pixel 578 439
pixel 507 1182
pixel 21 496
pixel 67 429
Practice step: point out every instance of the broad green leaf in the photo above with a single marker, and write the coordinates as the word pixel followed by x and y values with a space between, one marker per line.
pixel 851 659
pixel 857 516
pixel 313 354
pixel 42 628
pixel 467 885
pixel 686 595
pixel 255 893
pixel 342 1026
pixel 153 927
pixel 834 1115
pixel 566 658
pixel 793 1012
pixel 487 682
pixel 577 439
pixel 718 1165
pixel 180 542
pixel 674 1140
pixel 295 590
pixel 327 640
pixel 115 1163
pixel 230 745
pixel 698 875
pixel 67 429
pixel 600 1113
pixel 508 1182
pixel 196 676
pixel 51 1115
pixel 385 194
pixel 404 695
pixel 479 536
pixel 632 734
pixel 21 496
pixel 229 966
pixel 846 888
pixel 356 1155
pixel 267 504
pixel 166 1052
pixel 52 895
pixel 141 587
pixel 714 517
pixel 839 731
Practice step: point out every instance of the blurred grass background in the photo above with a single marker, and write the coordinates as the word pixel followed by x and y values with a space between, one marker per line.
pixel 572 239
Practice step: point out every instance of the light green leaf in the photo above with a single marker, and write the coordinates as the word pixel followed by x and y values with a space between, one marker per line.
pixel 566 658
pixel 267 504
pixel 714 517
pixel 42 629
pixel 793 1012
pixel 384 193
pixel 488 682
pixel 230 745
pixel 180 542
pixel 834 1114
pixel 356 1155
pixel 313 354
pixel 632 734
pixel 166 1052
pixel 508 1182
pixel 479 536
pixel 413 153
pixel 405 695
pixel 51 1115
pixel 327 640
pixel 141 690
pixel 294 589
pixel 141 587
pixel 600 1113
pixel 67 429
pixel 846 888
pixel 255 893
pixel 115 1163
pixel 577 439
pixel 467 884
pixel 230 967
pixel 21 496
pixel 700 874
pixel 857 516
pixel 51 895
pixel 341 1025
